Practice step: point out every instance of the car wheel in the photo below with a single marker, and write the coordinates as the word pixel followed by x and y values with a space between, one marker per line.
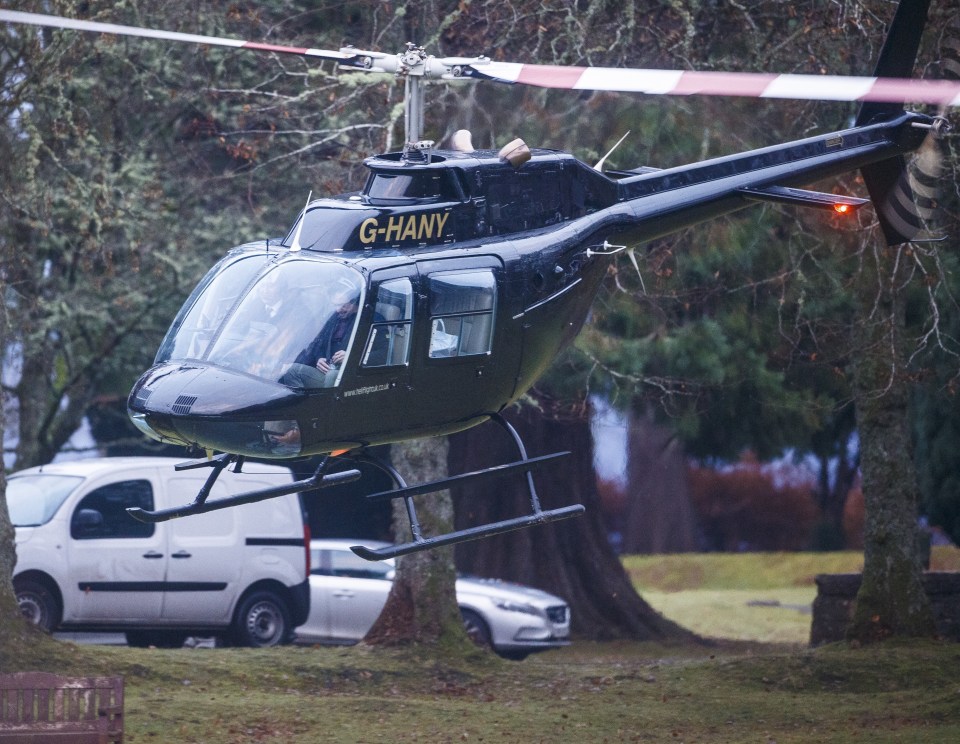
pixel 155 638
pixel 477 629
pixel 262 620
pixel 37 605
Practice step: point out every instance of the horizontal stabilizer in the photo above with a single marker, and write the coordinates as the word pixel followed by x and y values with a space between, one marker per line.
pixel 804 198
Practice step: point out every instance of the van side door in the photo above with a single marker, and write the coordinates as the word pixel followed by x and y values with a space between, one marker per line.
pixel 206 556
pixel 116 566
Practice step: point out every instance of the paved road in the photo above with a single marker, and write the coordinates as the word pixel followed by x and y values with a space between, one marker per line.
pixel 102 639
pixel 119 639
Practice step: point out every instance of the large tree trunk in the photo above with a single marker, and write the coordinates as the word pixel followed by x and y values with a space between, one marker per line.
pixel 10 629
pixel 422 605
pixel 660 514
pixel 891 600
pixel 571 558
pixel 17 639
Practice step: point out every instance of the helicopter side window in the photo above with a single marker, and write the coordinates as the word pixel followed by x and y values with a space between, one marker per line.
pixel 389 341
pixel 462 305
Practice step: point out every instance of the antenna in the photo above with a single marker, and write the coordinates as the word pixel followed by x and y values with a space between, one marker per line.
pixel 599 166
pixel 295 243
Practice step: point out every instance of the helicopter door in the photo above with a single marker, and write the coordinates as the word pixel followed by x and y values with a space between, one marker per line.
pixel 380 382
pixel 460 366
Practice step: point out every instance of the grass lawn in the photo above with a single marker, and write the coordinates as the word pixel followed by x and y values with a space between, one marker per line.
pixel 754 683
pixel 763 597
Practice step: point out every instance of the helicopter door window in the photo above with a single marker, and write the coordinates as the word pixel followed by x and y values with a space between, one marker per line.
pixel 462 305
pixel 389 341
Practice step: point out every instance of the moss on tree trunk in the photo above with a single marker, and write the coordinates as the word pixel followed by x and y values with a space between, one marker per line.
pixel 422 605
pixel 891 600
pixel 19 642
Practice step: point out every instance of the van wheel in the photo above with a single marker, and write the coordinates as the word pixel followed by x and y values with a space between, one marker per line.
pixel 155 638
pixel 262 620
pixel 37 605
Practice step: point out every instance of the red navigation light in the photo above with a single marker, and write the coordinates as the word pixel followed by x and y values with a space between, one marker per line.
pixel 841 208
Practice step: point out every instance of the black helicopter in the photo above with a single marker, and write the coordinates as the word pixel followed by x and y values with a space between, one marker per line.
pixel 435 297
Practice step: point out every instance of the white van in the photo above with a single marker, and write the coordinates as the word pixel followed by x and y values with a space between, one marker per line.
pixel 83 563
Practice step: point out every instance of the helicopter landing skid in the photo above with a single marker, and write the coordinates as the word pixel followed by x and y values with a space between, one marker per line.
pixel 419 542
pixel 200 505
pixel 471 533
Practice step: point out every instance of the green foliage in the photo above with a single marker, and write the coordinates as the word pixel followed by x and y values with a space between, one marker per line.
pixel 129 166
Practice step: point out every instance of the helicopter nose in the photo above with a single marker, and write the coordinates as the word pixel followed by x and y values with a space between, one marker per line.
pixel 215 409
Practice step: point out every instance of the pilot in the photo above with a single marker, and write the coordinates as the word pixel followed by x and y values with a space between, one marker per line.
pixel 265 314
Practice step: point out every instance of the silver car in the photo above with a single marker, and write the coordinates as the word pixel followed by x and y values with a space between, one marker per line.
pixel 347 594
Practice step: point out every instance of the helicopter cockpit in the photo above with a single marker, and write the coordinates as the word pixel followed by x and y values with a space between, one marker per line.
pixel 289 320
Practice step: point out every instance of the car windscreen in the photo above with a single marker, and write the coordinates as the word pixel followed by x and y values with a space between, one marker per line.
pixel 33 500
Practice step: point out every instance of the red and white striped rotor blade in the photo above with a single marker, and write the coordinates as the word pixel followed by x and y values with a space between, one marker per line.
pixel 38 19
pixel 748 84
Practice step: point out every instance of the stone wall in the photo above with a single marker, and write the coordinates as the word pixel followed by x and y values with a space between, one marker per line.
pixel 837 594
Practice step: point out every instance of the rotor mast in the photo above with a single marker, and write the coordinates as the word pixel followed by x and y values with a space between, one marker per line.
pixel 415 66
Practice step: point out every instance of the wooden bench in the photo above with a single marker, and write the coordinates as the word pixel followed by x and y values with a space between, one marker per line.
pixel 42 708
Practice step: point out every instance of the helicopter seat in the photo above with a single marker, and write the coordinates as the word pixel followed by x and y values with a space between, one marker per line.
pixel 475 335
pixel 387 344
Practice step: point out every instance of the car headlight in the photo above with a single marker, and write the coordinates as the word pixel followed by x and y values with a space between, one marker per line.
pixel 509 606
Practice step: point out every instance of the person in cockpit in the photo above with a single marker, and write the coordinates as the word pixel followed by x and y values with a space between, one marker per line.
pixel 318 364
pixel 328 349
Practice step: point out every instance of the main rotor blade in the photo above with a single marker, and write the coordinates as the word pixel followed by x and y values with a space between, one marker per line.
pixel 748 84
pixel 38 19
pixel 626 80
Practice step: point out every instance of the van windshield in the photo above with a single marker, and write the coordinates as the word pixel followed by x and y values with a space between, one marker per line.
pixel 33 500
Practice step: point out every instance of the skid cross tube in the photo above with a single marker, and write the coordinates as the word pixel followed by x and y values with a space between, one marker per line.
pixel 419 542
pixel 485 474
pixel 201 506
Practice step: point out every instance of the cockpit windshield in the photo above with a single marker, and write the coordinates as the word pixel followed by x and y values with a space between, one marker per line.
pixel 290 321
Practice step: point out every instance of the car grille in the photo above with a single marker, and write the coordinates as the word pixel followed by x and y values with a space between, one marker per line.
pixel 557 614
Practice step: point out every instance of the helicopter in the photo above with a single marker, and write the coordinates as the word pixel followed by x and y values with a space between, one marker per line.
pixel 432 299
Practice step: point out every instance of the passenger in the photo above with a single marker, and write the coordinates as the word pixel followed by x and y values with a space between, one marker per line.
pixel 330 346
pixel 318 364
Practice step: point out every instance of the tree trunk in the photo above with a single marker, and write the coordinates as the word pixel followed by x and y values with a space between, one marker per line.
pixel 422 604
pixel 891 600
pixel 571 558
pixel 10 632
pixel 17 639
pixel 660 513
